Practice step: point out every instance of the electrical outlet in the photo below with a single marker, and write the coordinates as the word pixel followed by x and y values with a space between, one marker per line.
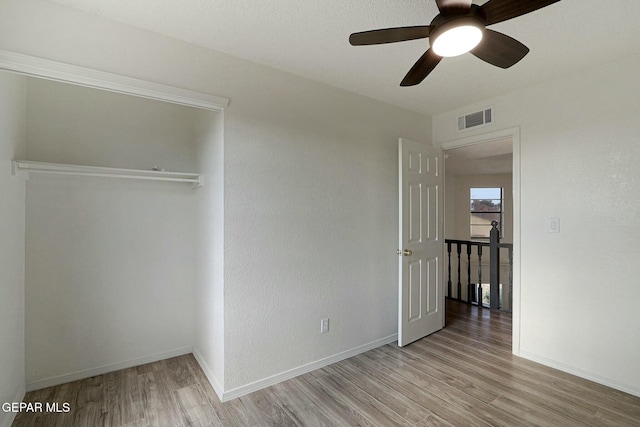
pixel 324 326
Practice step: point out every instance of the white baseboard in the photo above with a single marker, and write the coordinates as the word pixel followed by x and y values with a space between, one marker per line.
pixel 78 375
pixel 217 387
pixel 269 381
pixel 580 373
pixel 10 416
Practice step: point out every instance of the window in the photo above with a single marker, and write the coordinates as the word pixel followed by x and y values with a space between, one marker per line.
pixel 486 206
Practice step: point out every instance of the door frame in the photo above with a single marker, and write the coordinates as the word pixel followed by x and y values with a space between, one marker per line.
pixel 514 134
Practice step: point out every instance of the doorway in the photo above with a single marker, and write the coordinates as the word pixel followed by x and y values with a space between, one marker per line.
pixel 481 155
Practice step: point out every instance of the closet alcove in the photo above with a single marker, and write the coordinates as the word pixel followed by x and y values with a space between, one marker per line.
pixel 111 263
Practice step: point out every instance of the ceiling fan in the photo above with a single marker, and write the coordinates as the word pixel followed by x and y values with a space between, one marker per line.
pixel 460 27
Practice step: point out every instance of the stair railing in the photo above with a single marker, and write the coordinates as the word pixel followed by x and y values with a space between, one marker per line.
pixel 473 291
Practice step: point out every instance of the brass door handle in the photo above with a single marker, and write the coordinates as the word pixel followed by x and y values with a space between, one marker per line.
pixel 406 252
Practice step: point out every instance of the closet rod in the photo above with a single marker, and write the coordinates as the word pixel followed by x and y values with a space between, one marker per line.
pixel 27 167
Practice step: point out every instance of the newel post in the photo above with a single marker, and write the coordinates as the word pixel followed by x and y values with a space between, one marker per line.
pixel 494 273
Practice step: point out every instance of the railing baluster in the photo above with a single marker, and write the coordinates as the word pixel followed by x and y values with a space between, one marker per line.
pixel 449 260
pixel 459 250
pixel 494 259
pixel 469 287
pixel 479 291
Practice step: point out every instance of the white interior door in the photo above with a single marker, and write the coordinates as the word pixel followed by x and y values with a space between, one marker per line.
pixel 421 299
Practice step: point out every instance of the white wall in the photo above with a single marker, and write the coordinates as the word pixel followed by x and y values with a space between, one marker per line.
pixel 310 190
pixel 209 288
pixel 579 153
pixel 310 225
pixel 13 91
pixel 109 262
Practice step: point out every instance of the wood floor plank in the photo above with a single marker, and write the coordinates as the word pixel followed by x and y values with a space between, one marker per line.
pixel 351 395
pixel 123 401
pixel 340 413
pixel 522 388
pixel 566 400
pixel 464 375
pixel 235 414
pixel 302 410
pixel 455 396
pixel 396 402
pixel 422 374
pixel 195 408
pixel 426 394
pixel 433 421
pixel 179 374
pixel 566 389
pixel 266 411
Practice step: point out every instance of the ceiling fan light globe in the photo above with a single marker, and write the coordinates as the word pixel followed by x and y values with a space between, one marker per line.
pixel 457 40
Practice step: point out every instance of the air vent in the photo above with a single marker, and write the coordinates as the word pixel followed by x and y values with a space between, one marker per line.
pixel 473 120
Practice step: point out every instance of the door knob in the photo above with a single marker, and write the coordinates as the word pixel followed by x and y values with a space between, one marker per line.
pixel 406 252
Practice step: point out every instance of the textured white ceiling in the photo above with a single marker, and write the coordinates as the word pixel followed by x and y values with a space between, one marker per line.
pixel 310 39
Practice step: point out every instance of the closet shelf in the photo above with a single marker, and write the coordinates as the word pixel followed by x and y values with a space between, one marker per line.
pixel 24 168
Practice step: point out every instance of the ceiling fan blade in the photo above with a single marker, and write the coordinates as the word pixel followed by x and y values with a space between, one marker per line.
pixel 499 49
pixel 502 10
pixel 389 35
pixel 449 6
pixel 421 68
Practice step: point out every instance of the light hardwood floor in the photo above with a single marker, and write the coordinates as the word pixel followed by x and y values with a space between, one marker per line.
pixel 464 375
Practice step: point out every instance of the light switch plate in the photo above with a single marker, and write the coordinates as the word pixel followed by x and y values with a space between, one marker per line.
pixel 553 225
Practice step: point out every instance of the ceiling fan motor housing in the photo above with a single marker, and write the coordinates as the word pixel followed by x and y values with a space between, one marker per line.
pixel 454 34
pixel 453 15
